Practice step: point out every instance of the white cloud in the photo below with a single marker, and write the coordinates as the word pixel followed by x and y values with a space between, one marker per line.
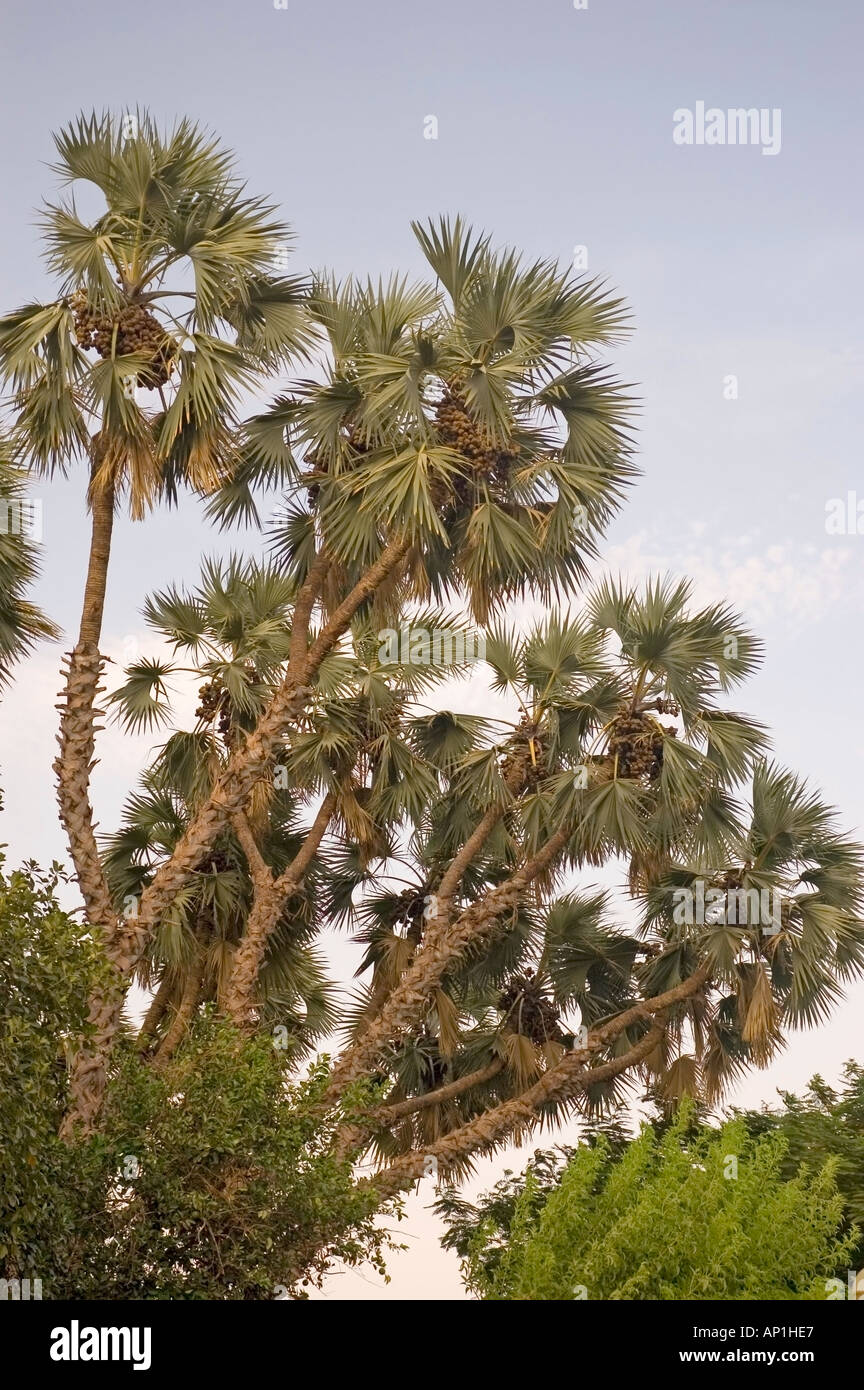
pixel 770 581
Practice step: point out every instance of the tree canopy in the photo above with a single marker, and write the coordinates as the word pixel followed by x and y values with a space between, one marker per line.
pixel 447 453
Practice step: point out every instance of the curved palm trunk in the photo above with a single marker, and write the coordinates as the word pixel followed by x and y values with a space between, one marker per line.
pixel 442 946
pixel 78 713
pixel 156 1012
pixel 183 1015
pixel 354 1136
pixel 73 767
pixel 508 1119
pixel 450 881
pixel 267 907
pixel 250 763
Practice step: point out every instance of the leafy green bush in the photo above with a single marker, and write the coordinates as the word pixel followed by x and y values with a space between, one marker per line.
pixel 823 1123
pixel 48 961
pixel 211 1179
pixel 704 1215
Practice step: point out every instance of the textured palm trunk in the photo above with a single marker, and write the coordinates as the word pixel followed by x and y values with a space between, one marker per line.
pixel 156 1012
pixel 249 764
pixel 89 1070
pixel 73 767
pixel 253 761
pixel 446 941
pixel 397 1110
pixel 568 1078
pixel 452 878
pixel 353 1137
pixel 78 714
pixel 183 1014
pixel 267 907
pixel 511 1118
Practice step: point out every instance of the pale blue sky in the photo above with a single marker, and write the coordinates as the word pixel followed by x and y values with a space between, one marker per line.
pixel 555 129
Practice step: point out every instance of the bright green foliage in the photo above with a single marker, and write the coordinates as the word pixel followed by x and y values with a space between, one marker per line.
pixel 822 1123
pixel 704 1215
pixel 47 961
pixel 209 1180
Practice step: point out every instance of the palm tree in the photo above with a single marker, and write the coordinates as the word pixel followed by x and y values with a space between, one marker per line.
pixel 234 630
pixel 395 503
pixel 166 313
pixel 172 288
pixel 510 1005
pixel 424 462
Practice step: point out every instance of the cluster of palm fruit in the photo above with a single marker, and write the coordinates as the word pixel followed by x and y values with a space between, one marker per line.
pixel 215 861
pixel 459 432
pixel 408 912
pixel 216 703
pixel 529 1010
pixel 134 329
pixel 636 741
pixel 525 746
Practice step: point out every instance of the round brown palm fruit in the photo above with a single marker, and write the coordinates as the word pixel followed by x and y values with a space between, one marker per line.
pixel 216 702
pixel 215 862
pixel 530 1011
pixel 458 431
pixel 212 696
pixel 134 329
pixel 216 706
pixel 636 742
pixel 526 746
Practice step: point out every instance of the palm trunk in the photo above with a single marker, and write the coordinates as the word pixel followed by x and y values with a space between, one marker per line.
pixel 353 1137
pixel 388 1113
pixel 253 761
pixel 156 1012
pixel 78 714
pixel 568 1078
pixel 267 906
pixel 73 767
pixel 183 1015
pixel 508 1119
pixel 450 881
